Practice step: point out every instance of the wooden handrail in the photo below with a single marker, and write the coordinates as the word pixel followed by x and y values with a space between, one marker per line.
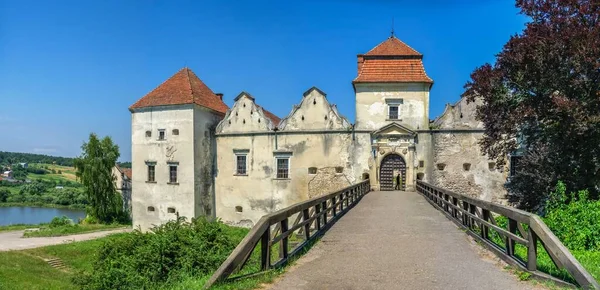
pixel 321 211
pixel 477 217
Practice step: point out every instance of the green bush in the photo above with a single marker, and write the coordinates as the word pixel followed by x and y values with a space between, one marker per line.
pixel 60 222
pixel 575 220
pixel 172 251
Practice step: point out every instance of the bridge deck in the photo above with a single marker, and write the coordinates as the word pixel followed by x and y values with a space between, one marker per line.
pixel 396 240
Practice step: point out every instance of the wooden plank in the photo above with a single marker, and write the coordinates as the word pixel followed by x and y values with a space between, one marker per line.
pixel 284 242
pixel 532 251
pixel 307 219
pixel 561 253
pixel 265 251
pixel 510 244
pixel 485 215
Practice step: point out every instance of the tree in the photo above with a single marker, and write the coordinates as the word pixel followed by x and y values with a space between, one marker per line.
pixel 4 193
pixel 544 89
pixel 94 169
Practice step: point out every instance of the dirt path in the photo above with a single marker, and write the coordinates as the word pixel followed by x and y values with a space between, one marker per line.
pixel 396 240
pixel 14 240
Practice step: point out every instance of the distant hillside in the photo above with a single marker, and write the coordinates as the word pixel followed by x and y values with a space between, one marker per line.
pixel 14 157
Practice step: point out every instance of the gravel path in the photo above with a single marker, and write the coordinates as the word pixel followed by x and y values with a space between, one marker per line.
pixel 14 240
pixel 396 240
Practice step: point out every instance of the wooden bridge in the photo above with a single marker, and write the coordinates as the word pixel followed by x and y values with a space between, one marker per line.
pixel 397 240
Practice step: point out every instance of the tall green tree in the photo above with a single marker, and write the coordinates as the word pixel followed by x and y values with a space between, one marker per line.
pixel 94 169
pixel 544 89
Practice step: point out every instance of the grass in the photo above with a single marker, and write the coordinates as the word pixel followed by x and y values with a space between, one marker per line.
pixel 27 270
pixel 46 231
pixel 17 227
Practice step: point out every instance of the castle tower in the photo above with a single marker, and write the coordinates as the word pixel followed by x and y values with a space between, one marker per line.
pixel 173 150
pixel 392 105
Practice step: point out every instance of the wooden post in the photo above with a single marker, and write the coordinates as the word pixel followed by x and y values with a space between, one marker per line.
pixel 317 212
pixel 265 253
pixel 472 210
pixel 324 206
pixel 284 241
pixel 532 251
pixel 465 218
pixel 484 229
pixel 334 206
pixel 454 210
pixel 510 244
pixel 306 215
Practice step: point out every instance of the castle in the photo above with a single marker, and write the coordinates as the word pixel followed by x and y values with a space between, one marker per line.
pixel 193 156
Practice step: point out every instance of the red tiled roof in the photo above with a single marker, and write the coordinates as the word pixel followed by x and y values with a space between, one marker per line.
pixel 271 116
pixel 391 61
pixel 393 46
pixel 184 87
pixel 127 172
pixel 392 70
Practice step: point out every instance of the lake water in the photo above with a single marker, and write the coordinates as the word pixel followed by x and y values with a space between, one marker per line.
pixel 35 215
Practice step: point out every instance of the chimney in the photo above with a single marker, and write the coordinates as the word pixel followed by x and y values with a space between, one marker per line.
pixel 361 59
pixel 220 95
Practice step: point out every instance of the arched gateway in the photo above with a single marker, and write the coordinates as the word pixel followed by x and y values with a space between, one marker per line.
pixel 391 165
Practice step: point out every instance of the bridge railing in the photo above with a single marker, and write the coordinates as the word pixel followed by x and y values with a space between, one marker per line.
pixel 311 219
pixel 479 218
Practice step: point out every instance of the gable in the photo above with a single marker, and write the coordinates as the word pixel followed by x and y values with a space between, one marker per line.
pixel 393 129
pixel 246 116
pixel 314 113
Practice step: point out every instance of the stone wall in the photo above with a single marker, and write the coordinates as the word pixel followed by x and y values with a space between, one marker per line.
pixel 458 163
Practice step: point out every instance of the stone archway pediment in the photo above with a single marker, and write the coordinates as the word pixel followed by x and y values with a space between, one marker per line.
pixel 394 129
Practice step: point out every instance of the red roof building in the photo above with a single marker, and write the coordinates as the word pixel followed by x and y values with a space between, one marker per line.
pixel 391 61
pixel 182 88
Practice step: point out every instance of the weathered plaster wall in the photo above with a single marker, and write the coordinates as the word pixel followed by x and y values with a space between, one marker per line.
pixel 372 109
pixel 455 149
pixel 180 148
pixel 311 140
pixel 205 150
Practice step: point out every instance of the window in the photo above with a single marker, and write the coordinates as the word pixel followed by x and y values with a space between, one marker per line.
pixel 161 134
pixel 312 170
pixel 151 172
pixel 171 210
pixel 365 176
pixel 239 209
pixel 150 208
pixel 420 176
pixel 240 160
pixel 175 131
pixel 492 166
pixel 172 173
pixel 441 166
pixel 393 112
pixel 421 163
pixel 339 169
pixel 514 164
pixel 148 134
pixel 283 167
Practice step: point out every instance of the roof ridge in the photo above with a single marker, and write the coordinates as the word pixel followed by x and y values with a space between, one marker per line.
pixel 189 82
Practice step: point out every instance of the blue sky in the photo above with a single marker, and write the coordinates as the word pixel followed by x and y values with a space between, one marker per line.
pixel 68 68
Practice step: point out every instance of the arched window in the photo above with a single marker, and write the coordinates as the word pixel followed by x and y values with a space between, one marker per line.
pixel 420 175
pixel 150 208
pixel 365 176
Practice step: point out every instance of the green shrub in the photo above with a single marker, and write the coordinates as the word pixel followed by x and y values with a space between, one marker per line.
pixel 576 222
pixel 172 251
pixel 60 222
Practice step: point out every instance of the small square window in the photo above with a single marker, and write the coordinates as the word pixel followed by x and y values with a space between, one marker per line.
pixel 466 166
pixel 283 167
pixel 161 134
pixel 393 112
pixel 312 170
pixel 150 208
pixel 339 169
pixel 148 134
pixel 175 131
pixel 240 160
pixel 171 210
pixel 421 163
pixel 172 173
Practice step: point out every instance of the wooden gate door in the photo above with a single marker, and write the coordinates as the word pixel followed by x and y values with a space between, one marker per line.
pixel 386 172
